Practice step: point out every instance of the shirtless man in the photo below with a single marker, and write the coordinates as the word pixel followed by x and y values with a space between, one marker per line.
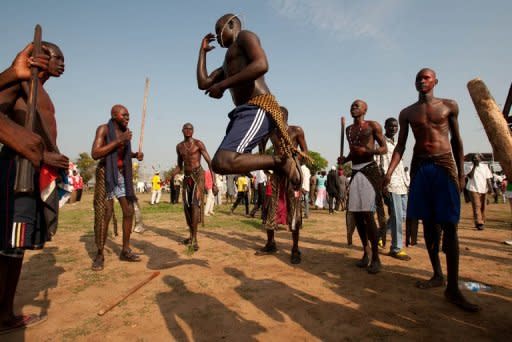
pixel 20 67
pixel 114 179
pixel 436 179
pixel 291 198
pixel 189 153
pixel 23 215
pixel 243 71
pixel 365 184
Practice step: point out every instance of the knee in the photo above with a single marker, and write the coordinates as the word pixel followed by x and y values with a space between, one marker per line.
pixel 219 164
pixel 128 213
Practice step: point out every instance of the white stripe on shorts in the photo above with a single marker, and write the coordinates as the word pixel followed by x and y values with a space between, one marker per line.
pixel 255 127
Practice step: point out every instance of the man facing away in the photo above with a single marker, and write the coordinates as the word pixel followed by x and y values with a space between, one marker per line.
pixel 256 112
pixel 366 180
pixel 114 179
pixel 437 178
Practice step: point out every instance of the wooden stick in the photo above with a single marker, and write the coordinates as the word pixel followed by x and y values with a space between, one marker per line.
pixel 130 292
pixel 143 121
pixel 342 139
pixel 494 123
pixel 24 181
pixel 508 103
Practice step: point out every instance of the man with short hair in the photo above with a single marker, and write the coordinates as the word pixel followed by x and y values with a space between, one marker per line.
pixel 114 178
pixel 189 153
pixel 29 220
pixel 397 192
pixel 479 185
pixel 257 111
pixel 437 178
pixel 365 184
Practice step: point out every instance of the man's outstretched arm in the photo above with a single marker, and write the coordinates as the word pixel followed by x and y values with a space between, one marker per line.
pixel 205 81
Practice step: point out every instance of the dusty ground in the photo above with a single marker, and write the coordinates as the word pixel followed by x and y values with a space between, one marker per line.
pixel 225 292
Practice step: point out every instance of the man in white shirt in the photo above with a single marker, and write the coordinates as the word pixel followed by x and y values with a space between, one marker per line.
pixel 260 180
pixel 397 189
pixel 306 177
pixel 478 185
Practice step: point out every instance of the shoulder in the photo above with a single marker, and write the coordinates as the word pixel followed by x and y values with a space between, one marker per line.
pixel 247 35
pixel 375 125
pixel 451 104
pixel 198 142
pixel 102 129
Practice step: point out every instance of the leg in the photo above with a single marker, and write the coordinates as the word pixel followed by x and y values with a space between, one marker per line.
pixel 246 197
pixel 239 198
pixel 196 217
pixel 451 249
pixel 432 232
pixel 127 208
pixel 476 205
pixel 295 255
pixel 102 215
pixel 483 201
pixel 139 226
pixel 411 231
pixel 373 236
pixel 10 270
pixel 270 247
pixel 331 203
pixel 306 204
pixel 158 195
pixel 360 223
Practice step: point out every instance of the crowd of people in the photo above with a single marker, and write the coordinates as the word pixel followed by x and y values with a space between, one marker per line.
pixel 280 185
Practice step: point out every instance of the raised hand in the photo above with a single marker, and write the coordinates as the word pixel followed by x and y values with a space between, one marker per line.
pixel 124 137
pixel 205 43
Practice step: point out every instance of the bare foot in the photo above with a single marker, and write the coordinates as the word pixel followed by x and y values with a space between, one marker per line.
pixel 98 263
pixel 432 282
pixel 456 297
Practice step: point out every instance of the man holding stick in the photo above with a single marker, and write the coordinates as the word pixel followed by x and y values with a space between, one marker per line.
pixel 114 179
pixel 365 184
pixel 189 153
pixel 24 224
pixel 257 111
pixel 437 178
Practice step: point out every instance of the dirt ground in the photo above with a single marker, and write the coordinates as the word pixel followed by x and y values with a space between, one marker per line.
pixel 225 292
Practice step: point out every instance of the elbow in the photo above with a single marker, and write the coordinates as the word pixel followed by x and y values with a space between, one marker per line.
pixel 202 85
pixel 95 155
pixel 261 68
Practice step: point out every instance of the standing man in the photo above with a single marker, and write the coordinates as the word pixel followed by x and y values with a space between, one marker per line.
pixel 230 188
pixel 189 153
pixel 242 187
pixel 114 178
pixel 260 180
pixel 366 181
pixel 285 205
pixel 256 112
pixel 210 197
pixel 479 185
pixel 333 189
pixel 436 179
pixel 306 178
pixel 24 223
pixel 156 188
pixel 397 192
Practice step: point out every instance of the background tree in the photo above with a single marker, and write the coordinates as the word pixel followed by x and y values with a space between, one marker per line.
pixel 319 162
pixel 86 166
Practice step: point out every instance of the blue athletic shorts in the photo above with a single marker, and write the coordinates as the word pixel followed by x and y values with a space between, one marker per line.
pixel 248 125
pixel 433 196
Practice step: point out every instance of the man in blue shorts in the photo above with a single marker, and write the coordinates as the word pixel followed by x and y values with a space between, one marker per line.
pixel 437 178
pixel 256 113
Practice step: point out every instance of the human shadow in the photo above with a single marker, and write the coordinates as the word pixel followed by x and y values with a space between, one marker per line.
pixel 194 316
pixel 38 275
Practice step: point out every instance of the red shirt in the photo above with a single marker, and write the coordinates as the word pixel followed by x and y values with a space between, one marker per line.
pixel 208 181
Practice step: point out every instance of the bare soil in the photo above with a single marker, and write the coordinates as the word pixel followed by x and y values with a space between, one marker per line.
pixel 225 292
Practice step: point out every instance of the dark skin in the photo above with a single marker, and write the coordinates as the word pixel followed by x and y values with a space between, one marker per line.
pixel 436 131
pixel 189 153
pixel 298 141
pixel 35 146
pixel 242 72
pixel 100 149
pixel 362 135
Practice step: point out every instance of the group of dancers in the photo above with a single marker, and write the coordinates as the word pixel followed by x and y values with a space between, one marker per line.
pixel 437 175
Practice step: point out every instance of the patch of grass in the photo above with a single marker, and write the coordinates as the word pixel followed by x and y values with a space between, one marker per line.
pixel 66 255
pixel 87 278
pixel 85 329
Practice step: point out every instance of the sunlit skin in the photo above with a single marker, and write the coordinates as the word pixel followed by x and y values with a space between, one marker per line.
pixel 434 123
pixel 37 146
pixel 189 153
pixel 242 72
pixel 101 149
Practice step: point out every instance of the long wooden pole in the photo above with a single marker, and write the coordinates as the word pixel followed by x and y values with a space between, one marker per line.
pixel 508 103
pixel 144 108
pixel 494 124
pixel 24 181
pixel 342 136
pixel 130 292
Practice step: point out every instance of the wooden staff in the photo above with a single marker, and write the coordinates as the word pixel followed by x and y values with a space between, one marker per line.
pixel 24 181
pixel 342 139
pixel 130 292
pixel 494 123
pixel 144 107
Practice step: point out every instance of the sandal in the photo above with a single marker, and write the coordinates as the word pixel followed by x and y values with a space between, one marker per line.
pixel 22 322
pixel 128 255
pixel 98 263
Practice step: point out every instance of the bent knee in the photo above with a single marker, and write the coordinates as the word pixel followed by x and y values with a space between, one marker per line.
pixel 223 162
